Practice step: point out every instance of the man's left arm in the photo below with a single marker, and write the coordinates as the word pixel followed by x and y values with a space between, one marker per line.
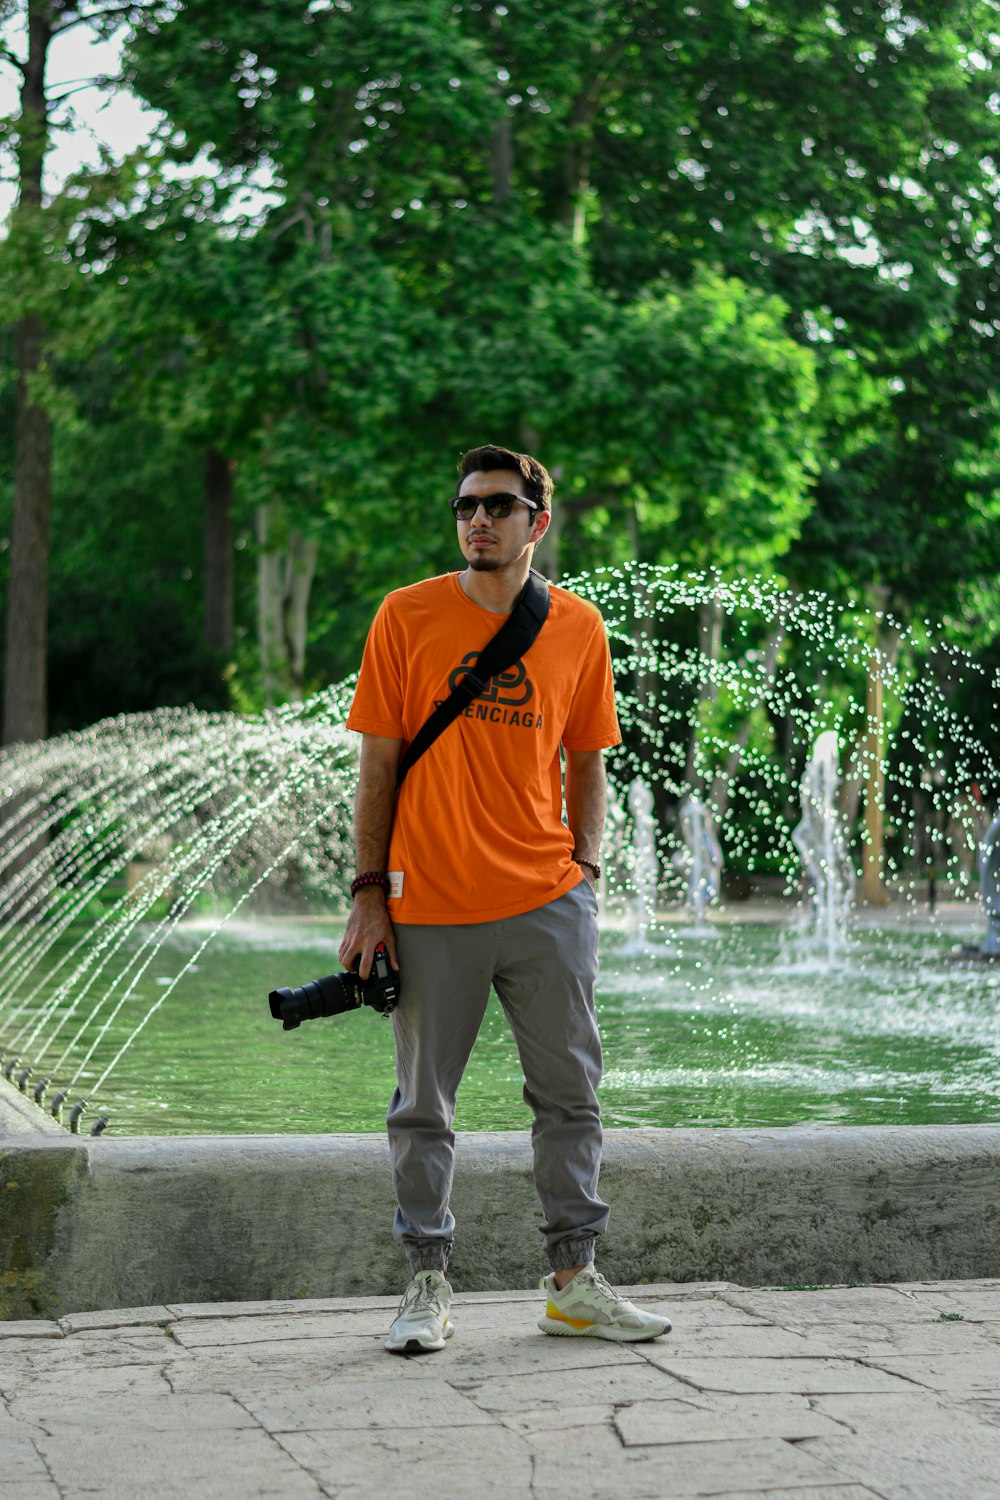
pixel 586 800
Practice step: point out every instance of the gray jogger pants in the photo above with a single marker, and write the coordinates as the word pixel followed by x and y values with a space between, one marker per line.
pixel 542 965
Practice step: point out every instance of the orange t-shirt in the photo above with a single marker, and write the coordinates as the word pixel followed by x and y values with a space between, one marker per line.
pixel 478 832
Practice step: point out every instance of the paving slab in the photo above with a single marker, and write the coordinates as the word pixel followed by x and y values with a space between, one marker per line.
pixel 281 1308
pixel 231 1374
pixel 26 1329
pixel 811 1492
pixel 489 1462
pixel 121 1317
pixel 20 1460
pixel 744 1341
pixel 973 1373
pixel 795 1307
pixel 162 1413
pixel 704 1312
pixel 124 1466
pixel 880 1341
pixel 592 1464
pixel 353 1405
pixel 912 1467
pixel 61 1387
pixel 657 1423
pixel 750 1375
pixel 834 1393
pixel 227 1333
pixel 91 1350
pixel 918 1408
pixel 555 1418
pixel 970 1303
pixel 616 1383
pixel 983 1408
pixel 984 1284
pixel 476 1355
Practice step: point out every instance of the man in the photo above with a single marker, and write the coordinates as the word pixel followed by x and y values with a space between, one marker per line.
pixel 471 877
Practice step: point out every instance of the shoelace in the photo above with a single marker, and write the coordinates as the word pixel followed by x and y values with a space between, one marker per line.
pixel 606 1289
pixel 601 1284
pixel 421 1298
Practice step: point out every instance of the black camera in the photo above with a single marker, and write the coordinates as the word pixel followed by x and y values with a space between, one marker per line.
pixel 338 992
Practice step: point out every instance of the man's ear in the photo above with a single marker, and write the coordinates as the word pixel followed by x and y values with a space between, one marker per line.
pixel 541 526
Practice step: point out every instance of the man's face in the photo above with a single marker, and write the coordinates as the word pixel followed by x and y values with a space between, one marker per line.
pixel 489 543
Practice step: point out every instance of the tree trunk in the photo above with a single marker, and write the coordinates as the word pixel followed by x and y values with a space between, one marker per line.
pixel 571 208
pixel 710 617
pixel 286 566
pixel 269 604
pixel 577 169
pixel 849 798
pixel 502 159
pixel 218 617
pixel 883 656
pixel 873 891
pixel 722 782
pixel 300 570
pixel 25 715
pixel 546 558
pixel 25 709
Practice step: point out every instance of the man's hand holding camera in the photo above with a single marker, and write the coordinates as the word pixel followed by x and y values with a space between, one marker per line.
pixel 368 926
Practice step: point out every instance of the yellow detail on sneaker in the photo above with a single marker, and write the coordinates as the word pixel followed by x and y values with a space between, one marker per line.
pixel 551 1311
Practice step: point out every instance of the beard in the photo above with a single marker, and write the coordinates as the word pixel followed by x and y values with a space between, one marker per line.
pixel 485 562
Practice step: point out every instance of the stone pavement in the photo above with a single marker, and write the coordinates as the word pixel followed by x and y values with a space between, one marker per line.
pixel 814 1394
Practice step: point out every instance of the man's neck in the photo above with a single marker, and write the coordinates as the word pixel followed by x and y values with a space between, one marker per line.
pixel 498 592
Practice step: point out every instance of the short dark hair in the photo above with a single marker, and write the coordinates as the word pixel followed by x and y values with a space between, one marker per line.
pixel 537 479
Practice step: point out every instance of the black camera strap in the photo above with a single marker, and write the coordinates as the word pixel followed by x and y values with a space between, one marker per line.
pixel 511 641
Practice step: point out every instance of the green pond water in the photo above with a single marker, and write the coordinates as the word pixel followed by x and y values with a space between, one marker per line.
pixel 741 1030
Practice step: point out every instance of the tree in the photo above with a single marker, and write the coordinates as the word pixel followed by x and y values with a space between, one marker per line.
pixel 25 706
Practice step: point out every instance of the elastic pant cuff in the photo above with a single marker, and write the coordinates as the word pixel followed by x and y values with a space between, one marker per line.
pixel 428 1257
pixel 566 1254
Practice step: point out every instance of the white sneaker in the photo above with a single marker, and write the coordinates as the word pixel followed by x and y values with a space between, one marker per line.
pixel 422 1323
pixel 588 1308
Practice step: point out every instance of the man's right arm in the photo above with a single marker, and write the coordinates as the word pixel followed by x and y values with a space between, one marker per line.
pixel 369 923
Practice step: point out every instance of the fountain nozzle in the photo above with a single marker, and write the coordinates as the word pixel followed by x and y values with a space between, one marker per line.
pixel 39 1090
pixel 22 1079
pixel 74 1116
pixel 57 1103
pixel 9 1067
pixel 100 1125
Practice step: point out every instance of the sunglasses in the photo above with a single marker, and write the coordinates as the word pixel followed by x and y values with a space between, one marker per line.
pixel 495 506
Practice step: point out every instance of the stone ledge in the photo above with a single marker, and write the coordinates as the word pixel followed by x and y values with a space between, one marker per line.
pixel 95 1223
pixel 21 1118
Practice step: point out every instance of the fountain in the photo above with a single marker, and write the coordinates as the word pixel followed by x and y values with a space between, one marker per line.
pixel 700 863
pixel 987 951
pixel 165 871
pixel 989 884
pixel 819 840
pixel 644 868
pixel 226 805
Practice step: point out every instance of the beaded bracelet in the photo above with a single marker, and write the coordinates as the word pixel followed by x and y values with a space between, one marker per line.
pixel 590 865
pixel 370 877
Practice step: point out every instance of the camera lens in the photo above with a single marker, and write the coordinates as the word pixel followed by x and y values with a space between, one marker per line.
pixel 321 997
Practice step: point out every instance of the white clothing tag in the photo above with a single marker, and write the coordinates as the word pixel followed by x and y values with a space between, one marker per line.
pixel 395 878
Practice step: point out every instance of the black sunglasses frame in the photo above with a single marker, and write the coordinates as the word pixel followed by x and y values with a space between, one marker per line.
pixel 497 506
